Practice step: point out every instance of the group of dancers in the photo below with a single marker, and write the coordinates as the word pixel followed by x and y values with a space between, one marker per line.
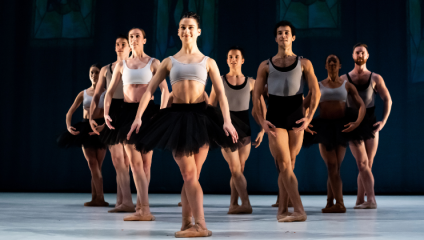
pixel 120 114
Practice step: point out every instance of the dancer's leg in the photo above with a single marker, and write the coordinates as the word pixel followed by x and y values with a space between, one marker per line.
pixel 371 146
pixel 96 176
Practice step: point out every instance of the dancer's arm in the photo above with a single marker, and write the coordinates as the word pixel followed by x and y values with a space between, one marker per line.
pixel 212 98
pixel 351 90
pixel 380 87
pixel 256 99
pixel 96 97
pixel 163 86
pixel 161 74
pixel 312 81
pixel 71 111
pixel 261 133
pixel 116 79
pixel 222 98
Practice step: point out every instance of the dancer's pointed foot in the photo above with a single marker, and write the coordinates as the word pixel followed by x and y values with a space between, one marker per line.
pixel 194 231
pixel 366 205
pixel 122 208
pixel 337 208
pixel 283 215
pixel 139 217
pixel 294 217
pixel 180 204
pixel 241 210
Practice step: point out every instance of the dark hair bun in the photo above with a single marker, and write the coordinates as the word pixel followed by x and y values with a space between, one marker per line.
pixel 192 15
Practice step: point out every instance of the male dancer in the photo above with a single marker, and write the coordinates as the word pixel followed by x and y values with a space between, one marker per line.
pixel 286 74
pixel 367 84
pixel 120 160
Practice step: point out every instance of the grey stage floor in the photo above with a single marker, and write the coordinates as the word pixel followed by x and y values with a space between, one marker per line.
pixel 62 216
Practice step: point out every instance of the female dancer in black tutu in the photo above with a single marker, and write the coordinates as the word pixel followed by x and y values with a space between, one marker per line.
pixel 332 130
pixel 286 74
pixel 368 85
pixel 135 74
pixel 120 161
pixel 237 89
pixel 78 136
pixel 188 128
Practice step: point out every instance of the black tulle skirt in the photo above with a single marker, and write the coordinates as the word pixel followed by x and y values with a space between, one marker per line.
pixel 241 122
pixel 366 128
pixel 110 136
pixel 184 129
pixel 83 139
pixel 329 132
pixel 129 111
pixel 283 112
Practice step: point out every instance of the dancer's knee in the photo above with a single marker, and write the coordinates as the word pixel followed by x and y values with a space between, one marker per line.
pixel 189 175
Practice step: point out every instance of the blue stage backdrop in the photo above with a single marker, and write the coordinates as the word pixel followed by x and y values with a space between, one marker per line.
pixel 48 46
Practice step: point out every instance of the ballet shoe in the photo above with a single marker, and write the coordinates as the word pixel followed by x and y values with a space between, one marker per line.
pixel 275 205
pixel 241 210
pixel 122 208
pixel 194 231
pixel 180 204
pixel 337 208
pixel 280 216
pixel 96 204
pixel 295 218
pixel 139 217
pixel 232 209
pixel 366 205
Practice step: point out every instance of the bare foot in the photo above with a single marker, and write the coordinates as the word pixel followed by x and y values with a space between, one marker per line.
pixel 194 231
pixel 241 210
pixel 366 205
pixel 294 217
pixel 187 223
pixel 180 204
pixel 122 208
pixel 139 217
pixel 283 215
pixel 338 208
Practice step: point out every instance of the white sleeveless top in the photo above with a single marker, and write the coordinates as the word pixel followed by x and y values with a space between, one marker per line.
pixel 284 82
pixel 137 76
pixel 188 71
pixel 333 94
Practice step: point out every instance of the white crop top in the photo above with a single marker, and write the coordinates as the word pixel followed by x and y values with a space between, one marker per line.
pixel 188 71
pixel 86 102
pixel 137 76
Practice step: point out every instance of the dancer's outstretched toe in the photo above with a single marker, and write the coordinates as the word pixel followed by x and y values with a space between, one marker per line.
pixel 122 208
pixel 337 208
pixel 194 231
pixel 366 205
pixel 294 217
pixel 139 217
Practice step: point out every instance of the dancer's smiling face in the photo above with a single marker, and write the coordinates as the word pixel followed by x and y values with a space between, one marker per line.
pixel 333 64
pixel 360 55
pixel 122 47
pixel 94 74
pixel 136 39
pixel 188 30
pixel 284 36
pixel 235 59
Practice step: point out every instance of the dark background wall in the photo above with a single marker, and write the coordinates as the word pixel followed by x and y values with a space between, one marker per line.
pixel 41 78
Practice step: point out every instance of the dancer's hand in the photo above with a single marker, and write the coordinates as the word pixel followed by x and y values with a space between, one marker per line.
pixel 259 139
pixel 230 130
pixel 93 126
pixel 305 123
pixel 98 129
pixel 135 126
pixel 269 128
pixel 380 125
pixel 350 127
pixel 309 130
pixel 73 131
pixel 108 119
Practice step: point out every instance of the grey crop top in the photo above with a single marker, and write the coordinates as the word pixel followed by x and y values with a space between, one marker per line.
pixel 137 76
pixel 284 82
pixel 86 102
pixel 119 93
pixel 238 96
pixel 333 94
pixel 188 71
pixel 366 92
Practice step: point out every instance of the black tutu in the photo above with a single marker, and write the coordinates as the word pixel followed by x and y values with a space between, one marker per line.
pixel 283 112
pixel 110 136
pixel 83 139
pixel 329 132
pixel 129 111
pixel 184 129
pixel 241 122
pixel 366 128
